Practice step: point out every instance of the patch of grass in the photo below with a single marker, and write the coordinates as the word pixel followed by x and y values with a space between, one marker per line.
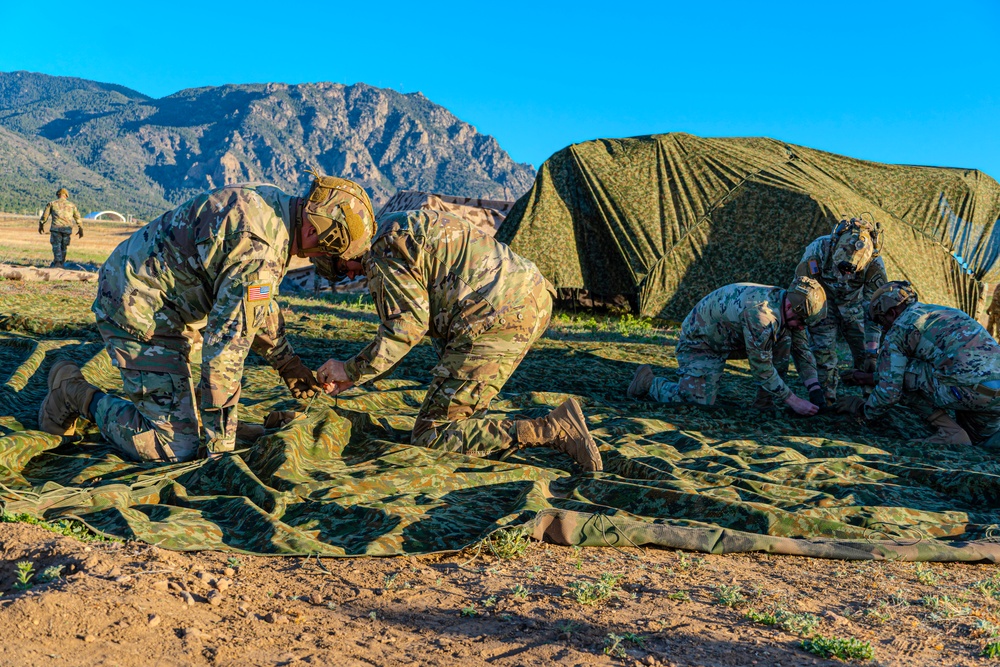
pixel 991 651
pixel 613 643
pixel 679 596
pixel 984 628
pixel 519 592
pixel 234 562
pixel 796 624
pixel 65 527
pixel 25 572
pixel 944 606
pixel 598 592
pixel 844 648
pixel 685 563
pixel 470 611
pixel 508 544
pixel 926 575
pixel 730 596
pixel 50 574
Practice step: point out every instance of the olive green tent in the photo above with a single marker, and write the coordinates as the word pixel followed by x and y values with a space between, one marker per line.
pixel 665 219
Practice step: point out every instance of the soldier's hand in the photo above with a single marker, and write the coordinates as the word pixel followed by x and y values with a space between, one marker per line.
pixel 41 228
pixel 800 406
pixel 869 364
pixel 850 405
pixel 79 232
pixel 855 378
pixel 333 375
pixel 299 378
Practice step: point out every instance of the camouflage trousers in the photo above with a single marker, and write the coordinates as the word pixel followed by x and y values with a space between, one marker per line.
pixel 823 343
pixel 59 239
pixel 158 418
pixel 472 371
pixel 699 370
pixel 977 413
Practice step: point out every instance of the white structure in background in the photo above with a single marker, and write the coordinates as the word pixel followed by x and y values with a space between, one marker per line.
pixel 108 215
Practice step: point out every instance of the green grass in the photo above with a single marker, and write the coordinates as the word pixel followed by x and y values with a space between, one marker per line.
pixel 730 596
pixel 599 592
pixel 508 544
pixel 66 527
pixel 844 648
pixel 797 624
pixel 991 651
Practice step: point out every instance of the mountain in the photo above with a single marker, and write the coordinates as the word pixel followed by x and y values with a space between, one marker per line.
pixel 168 149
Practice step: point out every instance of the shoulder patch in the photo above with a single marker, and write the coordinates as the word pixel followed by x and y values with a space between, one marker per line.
pixel 813 267
pixel 259 292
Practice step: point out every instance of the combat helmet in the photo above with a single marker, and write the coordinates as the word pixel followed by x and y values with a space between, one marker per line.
pixel 62 192
pixel 807 299
pixel 856 243
pixel 888 296
pixel 342 214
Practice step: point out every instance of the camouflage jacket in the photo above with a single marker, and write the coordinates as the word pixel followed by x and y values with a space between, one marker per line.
pixel 62 213
pixel 433 273
pixel 212 264
pixel 848 293
pixel 957 347
pixel 745 317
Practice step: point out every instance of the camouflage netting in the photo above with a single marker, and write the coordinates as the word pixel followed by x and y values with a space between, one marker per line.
pixel 342 481
pixel 666 219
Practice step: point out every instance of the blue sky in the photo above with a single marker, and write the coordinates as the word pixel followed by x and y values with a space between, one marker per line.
pixel 906 82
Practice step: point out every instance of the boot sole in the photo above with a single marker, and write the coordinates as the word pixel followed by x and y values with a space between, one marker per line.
pixel 50 382
pixel 575 414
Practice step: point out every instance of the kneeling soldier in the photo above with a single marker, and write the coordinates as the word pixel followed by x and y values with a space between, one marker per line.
pixel 435 274
pixel 213 265
pixel 743 321
pixel 937 359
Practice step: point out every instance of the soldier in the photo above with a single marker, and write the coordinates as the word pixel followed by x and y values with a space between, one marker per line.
pixel 433 273
pixel 848 266
pixel 993 313
pixel 743 321
pixel 936 359
pixel 212 264
pixel 62 214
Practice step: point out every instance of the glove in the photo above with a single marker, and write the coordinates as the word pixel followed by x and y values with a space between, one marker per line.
pixel 869 364
pixel 41 227
pixel 817 397
pixel 853 378
pixel 300 380
pixel 850 405
pixel 79 232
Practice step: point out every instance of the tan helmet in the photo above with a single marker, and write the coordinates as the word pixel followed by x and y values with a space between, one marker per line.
pixel 807 299
pixel 342 214
pixel 855 244
pixel 888 296
pixel 62 192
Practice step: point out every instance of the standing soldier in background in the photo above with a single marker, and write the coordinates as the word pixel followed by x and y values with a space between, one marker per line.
pixel 434 274
pixel 848 266
pixel 62 214
pixel 993 313
pixel 935 359
pixel 760 323
pixel 213 264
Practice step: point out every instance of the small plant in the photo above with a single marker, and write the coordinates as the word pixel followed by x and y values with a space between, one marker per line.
pixel 469 611
pixel 926 575
pixel 944 606
pixel 66 527
pixel 847 648
pixel 519 592
pixel 991 651
pixel 508 544
pixel 679 596
pixel 796 624
pixel 234 562
pixel 25 573
pixel 373 615
pixel 489 602
pixel 568 628
pixel 613 644
pixel 984 628
pixel 50 574
pixel 730 596
pixel 598 592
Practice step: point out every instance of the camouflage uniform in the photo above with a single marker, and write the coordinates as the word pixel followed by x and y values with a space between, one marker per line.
pixel 848 295
pixel 949 361
pixel 738 321
pixel 212 264
pixel 993 313
pixel 433 273
pixel 61 214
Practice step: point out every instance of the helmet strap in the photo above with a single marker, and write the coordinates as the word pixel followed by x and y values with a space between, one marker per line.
pixel 295 206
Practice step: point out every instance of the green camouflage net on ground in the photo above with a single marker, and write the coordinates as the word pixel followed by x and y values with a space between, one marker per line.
pixel 342 481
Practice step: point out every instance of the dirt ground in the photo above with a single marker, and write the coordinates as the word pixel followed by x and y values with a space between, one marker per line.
pixel 125 604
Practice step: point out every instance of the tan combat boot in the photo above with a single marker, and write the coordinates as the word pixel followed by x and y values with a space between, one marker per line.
pixel 948 430
pixel 642 382
pixel 69 397
pixel 565 430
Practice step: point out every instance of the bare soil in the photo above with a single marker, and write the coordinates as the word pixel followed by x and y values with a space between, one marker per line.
pixel 133 604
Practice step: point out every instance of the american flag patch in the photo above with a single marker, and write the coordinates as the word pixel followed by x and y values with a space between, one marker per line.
pixel 813 267
pixel 258 292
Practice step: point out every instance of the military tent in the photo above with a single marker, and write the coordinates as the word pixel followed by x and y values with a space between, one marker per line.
pixel 487 214
pixel 665 219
